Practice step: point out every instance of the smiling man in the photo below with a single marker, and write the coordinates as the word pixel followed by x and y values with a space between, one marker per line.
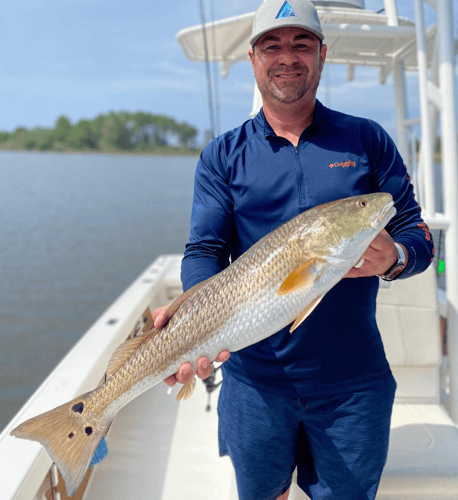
pixel 319 400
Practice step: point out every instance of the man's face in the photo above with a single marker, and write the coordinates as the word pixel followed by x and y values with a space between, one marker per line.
pixel 287 64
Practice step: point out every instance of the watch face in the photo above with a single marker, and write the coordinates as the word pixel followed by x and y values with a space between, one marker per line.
pixel 395 272
pixel 397 268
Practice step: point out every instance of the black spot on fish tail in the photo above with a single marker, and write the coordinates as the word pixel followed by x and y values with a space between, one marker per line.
pixel 78 408
pixel 88 430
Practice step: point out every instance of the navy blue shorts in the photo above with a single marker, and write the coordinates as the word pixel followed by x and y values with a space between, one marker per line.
pixel 338 444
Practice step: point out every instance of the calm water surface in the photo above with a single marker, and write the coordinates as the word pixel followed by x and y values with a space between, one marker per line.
pixel 76 231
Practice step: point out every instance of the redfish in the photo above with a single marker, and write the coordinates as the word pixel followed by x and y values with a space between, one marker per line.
pixel 278 281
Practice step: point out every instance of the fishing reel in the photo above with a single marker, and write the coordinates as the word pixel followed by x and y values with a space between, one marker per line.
pixel 211 384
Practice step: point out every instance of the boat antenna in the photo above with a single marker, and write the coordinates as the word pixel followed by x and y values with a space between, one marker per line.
pixel 215 70
pixel 207 66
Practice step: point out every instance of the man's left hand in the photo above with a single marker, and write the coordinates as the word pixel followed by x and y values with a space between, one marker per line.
pixel 378 258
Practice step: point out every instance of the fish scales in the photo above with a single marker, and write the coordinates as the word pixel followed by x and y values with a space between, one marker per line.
pixel 278 280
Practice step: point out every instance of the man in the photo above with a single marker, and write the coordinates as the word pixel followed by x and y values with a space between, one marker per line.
pixel 319 400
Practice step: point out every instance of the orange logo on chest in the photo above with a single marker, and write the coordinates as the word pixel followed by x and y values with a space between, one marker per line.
pixel 343 164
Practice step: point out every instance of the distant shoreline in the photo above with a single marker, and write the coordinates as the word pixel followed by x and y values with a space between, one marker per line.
pixel 159 152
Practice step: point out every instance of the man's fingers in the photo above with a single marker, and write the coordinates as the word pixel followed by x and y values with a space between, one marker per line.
pixel 160 316
pixel 171 381
pixel 223 356
pixel 185 373
pixel 204 368
pixel 381 241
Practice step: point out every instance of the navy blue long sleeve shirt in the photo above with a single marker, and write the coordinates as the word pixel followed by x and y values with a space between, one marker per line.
pixel 249 181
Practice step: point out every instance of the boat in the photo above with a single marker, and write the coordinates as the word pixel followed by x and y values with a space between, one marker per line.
pixel 164 450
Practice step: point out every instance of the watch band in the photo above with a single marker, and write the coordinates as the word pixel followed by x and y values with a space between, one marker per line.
pixel 396 269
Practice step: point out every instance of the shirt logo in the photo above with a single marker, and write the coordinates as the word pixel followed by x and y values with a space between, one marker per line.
pixel 286 11
pixel 426 230
pixel 349 163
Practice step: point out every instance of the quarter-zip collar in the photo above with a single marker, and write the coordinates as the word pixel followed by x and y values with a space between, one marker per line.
pixel 319 115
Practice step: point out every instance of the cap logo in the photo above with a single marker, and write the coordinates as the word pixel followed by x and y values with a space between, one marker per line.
pixel 286 11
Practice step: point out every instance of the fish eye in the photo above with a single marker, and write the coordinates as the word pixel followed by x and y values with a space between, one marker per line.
pixel 363 203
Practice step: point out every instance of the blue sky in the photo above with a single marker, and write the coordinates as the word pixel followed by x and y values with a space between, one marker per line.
pixel 84 58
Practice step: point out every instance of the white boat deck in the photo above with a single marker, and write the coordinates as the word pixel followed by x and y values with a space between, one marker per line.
pixel 164 450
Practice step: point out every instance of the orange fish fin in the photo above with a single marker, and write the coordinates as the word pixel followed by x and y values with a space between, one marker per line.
pixel 125 351
pixel 303 276
pixel 305 313
pixel 187 389
pixel 70 435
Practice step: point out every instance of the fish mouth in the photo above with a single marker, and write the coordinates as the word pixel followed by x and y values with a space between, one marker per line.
pixel 387 212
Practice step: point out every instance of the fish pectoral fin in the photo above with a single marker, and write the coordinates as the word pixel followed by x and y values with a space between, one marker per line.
pixel 187 389
pixel 306 313
pixel 125 351
pixel 302 277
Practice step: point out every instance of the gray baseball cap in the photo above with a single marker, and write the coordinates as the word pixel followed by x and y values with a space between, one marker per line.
pixel 273 14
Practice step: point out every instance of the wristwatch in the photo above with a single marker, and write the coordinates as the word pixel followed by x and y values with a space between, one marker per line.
pixel 396 269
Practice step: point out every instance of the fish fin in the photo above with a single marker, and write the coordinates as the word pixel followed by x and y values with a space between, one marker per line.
pixel 305 313
pixel 187 389
pixel 100 452
pixel 148 321
pixel 303 276
pixel 69 436
pixel 125 351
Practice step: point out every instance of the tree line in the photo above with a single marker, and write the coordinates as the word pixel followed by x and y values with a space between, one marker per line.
pixel 122 131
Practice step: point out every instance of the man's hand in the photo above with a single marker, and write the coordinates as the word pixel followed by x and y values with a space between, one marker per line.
pixel 378 258
pixel 161 316
pixel 204 369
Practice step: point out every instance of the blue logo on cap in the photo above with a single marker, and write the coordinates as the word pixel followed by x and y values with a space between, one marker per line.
pixel 286 11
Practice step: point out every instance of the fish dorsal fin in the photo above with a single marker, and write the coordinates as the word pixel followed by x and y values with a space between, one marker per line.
pixel 305 313
pixel 125 351
pixel 148 321
pixel 187 389
pixel 303 276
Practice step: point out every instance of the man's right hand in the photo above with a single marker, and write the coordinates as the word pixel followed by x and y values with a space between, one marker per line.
pixel 161 316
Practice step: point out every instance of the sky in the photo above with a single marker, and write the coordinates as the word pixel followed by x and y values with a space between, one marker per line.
pixel 81 59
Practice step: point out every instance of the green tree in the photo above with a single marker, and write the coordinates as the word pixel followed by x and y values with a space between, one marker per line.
pixel 19 130
pixel 30 143
pixel 115 131
pixel 82 136
pixel 186 135
pixel 97 125
pixel 62 129
pixel 4 136
pixel 44 139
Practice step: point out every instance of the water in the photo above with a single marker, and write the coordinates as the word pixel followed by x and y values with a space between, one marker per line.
pixel 76 230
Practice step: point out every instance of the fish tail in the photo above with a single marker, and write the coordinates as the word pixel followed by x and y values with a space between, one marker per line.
pixel 70 435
